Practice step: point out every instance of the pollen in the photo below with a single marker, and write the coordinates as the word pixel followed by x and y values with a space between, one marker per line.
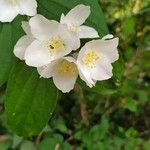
pixel 67 67
pixel 55 44
pixel 13 2
pixel 90 59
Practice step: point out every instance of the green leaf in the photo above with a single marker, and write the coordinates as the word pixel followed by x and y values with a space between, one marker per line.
pixel 51 143
pixel 146 145
pixel 27 145
pixel 30 101
pixel 98 132
pixel 118 71
pixel 4 145
pixel 102 87
pixel 129 26
pixel 53 9
pixel 130 104
pixel 9 34
pixel 16 141
pixel 143 96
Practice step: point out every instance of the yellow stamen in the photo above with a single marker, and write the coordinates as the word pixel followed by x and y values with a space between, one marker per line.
pixel 13 2
pixel 67 67
pixel 90 59
pixel 55 44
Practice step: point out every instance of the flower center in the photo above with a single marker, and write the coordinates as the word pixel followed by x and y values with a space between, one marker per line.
pixel 74 28
pixel 90 59
pixel 55 44
pixel 13 2
pixel 67 67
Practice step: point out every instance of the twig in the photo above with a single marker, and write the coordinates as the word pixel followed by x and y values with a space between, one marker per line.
pixel 4 137
pixel 38 139
pixel 83 106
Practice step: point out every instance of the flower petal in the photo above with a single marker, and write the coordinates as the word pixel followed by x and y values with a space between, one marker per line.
pixel 21 46
pixel 85 75
pixel 87 32
pixel 7 11
pixel 107 47
pixel 108 36
pixel 42 28
pixel 48 70
pixel 65 83
pixel 26 27
pixel 62 18
pixel 36 55
pixel 77 15
pixel 71 39
pixel 28 7
pixel 103 69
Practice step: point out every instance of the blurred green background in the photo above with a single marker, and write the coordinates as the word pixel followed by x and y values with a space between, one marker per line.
pixel 109 119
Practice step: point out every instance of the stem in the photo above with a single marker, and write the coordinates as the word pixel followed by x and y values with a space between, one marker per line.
pixel 83 106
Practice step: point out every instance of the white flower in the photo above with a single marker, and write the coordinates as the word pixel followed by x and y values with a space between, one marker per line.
pixel 74 20
pixel 52 41
pixel 9 9
pixel 63 71
pixel 95 58
pixel 23 42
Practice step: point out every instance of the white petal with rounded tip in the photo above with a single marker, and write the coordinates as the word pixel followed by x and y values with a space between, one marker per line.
pixel 70 38
pixel 36 55
pixel 42 28
pixel 28 7
pixel 7 11
pixel 48 70
pixel 87 32
pixel 107 47
pixel 26 27
pixel 21 46
pixel 108 36
pixel 77 15
pixel 65 83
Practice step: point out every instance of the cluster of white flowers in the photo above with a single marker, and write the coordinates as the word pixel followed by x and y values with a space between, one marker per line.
pixel 51 46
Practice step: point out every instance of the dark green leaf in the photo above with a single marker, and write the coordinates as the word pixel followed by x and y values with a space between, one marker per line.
pixel 30 101
pixel 9 34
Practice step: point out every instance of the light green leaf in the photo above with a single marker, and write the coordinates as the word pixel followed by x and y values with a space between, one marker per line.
pixel 53 142
pixel 128 26
pixel 130 104
pixel 27 145
pixel 4 145
pixel 16 141
pixel 30 101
